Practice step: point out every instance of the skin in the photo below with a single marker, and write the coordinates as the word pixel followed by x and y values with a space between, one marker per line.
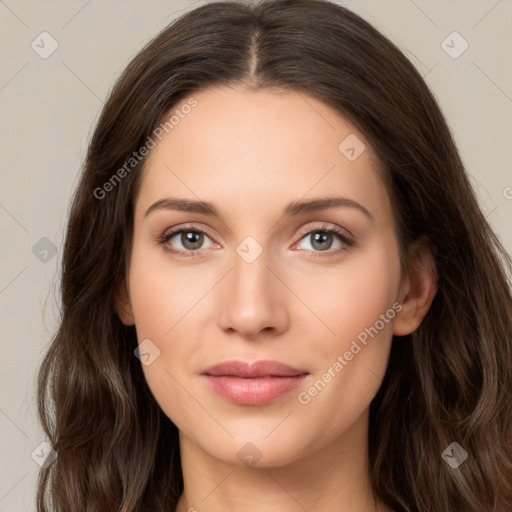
pixel 251 154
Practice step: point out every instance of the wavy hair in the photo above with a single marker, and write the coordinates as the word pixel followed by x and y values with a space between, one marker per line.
pixel 449 381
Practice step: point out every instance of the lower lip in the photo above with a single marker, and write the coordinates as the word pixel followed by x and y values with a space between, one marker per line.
pixel 255 391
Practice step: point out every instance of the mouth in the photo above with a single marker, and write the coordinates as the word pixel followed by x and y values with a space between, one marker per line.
pixel 255 383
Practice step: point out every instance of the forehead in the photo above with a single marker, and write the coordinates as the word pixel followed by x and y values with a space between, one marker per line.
pixel 256 148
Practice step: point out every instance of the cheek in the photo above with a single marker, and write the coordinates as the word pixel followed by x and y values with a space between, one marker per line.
pixel 164 304
pixel 350 298
pixel 162 295
pixel 156 304
pixel 352 361
pixel 349 359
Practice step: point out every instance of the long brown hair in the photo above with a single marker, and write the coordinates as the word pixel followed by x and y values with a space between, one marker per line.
pixel 449 381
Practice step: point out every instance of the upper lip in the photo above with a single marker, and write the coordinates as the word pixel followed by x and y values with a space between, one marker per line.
pixel 254 369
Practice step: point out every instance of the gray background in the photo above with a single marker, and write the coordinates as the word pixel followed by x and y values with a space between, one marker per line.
pixel 48 107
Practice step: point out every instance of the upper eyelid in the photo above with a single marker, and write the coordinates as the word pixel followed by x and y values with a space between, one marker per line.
pixel 174 231
pixel 326 227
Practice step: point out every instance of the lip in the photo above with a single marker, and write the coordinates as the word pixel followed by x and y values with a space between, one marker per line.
pixel 255 383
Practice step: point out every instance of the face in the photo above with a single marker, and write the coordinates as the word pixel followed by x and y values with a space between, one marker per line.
pixel 264 280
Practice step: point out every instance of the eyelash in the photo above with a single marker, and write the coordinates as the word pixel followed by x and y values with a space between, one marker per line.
pixel 342 236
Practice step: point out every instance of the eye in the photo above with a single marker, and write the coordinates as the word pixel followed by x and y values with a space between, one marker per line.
pixel 191 240
pixel 321 240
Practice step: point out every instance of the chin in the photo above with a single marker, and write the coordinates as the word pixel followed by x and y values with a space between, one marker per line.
pixel 259 451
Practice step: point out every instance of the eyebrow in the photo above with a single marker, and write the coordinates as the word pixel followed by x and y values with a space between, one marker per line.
pixel 293 209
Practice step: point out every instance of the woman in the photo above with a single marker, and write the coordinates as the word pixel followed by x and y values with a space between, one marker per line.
pixel 279 291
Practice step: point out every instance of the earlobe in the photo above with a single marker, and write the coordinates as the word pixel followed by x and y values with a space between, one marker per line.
pixel 123 306
pixel 418 289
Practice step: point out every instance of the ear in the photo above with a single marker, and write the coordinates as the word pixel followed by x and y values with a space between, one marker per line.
pixel 123 306
pixel 418 288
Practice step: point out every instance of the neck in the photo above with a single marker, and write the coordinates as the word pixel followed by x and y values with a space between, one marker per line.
pixel 335 477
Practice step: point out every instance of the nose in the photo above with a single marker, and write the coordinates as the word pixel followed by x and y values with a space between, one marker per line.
pixel 253 298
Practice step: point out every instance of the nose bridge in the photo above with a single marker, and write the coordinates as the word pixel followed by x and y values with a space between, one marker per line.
pixel 250 272
pixel 250 280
